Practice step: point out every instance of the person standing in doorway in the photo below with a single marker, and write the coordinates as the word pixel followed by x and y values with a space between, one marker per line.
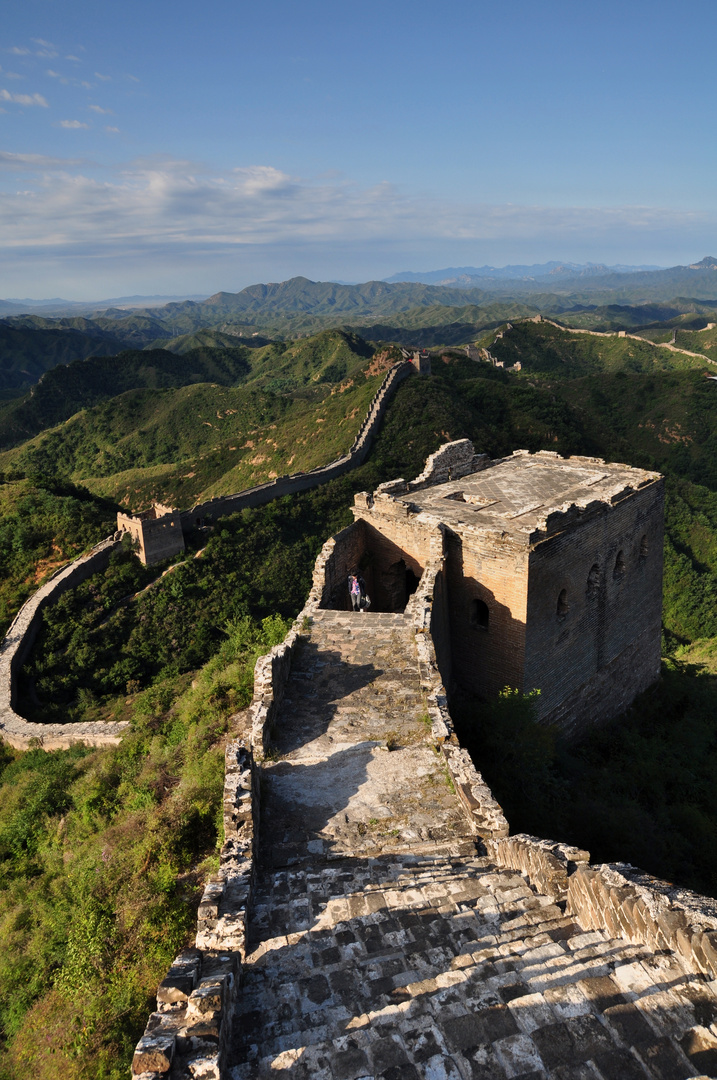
pixel 357 590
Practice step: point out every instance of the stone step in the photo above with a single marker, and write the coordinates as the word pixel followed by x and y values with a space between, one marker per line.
pixel 427 966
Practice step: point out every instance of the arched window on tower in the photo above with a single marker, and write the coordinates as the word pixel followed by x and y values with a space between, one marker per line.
pixel 480 615
pixel 619 568
pixel 562 608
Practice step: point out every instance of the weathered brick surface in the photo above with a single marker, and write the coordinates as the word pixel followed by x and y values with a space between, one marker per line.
pixel 377 940
pixel 157 533
pixel 428 966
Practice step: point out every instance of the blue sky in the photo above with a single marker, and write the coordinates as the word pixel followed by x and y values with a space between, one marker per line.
pixel 174 147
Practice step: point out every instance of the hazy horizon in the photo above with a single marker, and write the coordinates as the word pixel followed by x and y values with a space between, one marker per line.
pixel 152 151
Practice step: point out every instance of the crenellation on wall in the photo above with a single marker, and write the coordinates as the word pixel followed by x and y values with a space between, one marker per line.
pixel 157 532
pixel 617 901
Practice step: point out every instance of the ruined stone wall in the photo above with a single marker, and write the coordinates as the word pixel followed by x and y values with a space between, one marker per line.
pixel 594 610
pixel 14 729
pixel 348 549
pixel 487 644
pixel 391 537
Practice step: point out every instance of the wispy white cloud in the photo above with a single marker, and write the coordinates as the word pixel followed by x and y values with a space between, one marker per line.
pixel 112 130
pixel 103 78
pixel 35 162
pixel 75 58
pixel 177 206
pixel 17 50
pixel 99 109
pixel 23 99
pixel 46 49
pixel 73 124
pixel 184 223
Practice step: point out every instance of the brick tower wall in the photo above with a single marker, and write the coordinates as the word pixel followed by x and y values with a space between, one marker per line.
pixel 591 651
pixel 486 568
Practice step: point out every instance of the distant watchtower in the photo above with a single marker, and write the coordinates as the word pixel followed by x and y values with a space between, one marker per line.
pixel 420 358
pixel 551 573
pixel 157 532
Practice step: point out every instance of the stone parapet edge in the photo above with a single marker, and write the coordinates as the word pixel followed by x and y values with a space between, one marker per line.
pixel 484 812
pixel 15 730
pixel 601 897
pixel 187 1035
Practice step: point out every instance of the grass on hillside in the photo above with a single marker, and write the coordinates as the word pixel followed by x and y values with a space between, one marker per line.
pixel 103 856
pixel 301 407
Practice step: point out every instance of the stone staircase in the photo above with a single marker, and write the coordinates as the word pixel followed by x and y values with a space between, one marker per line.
pixel 384 944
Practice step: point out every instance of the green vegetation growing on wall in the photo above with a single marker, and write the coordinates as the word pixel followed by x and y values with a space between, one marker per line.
pixel 99 657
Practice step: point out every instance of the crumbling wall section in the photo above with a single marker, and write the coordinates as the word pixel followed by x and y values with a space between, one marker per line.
pixel 187 1035
pixel 14 729
pixel 347 548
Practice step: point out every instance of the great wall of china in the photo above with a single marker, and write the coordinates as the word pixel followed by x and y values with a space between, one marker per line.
pixel 616 333
pixel 372 915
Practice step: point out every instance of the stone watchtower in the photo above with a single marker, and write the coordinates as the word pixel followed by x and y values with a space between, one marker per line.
pixel 552 573
pixel 157 532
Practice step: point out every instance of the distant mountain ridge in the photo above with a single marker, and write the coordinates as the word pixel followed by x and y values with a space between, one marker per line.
pixel 58 306
pixel 454 274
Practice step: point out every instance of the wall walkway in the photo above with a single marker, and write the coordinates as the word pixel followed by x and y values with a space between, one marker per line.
pixel 393 928
pixel 619 334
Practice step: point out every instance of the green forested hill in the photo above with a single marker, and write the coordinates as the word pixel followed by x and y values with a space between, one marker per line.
pixel 177 435
pixel 543 349
pixel 27 353
pixel 284 366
